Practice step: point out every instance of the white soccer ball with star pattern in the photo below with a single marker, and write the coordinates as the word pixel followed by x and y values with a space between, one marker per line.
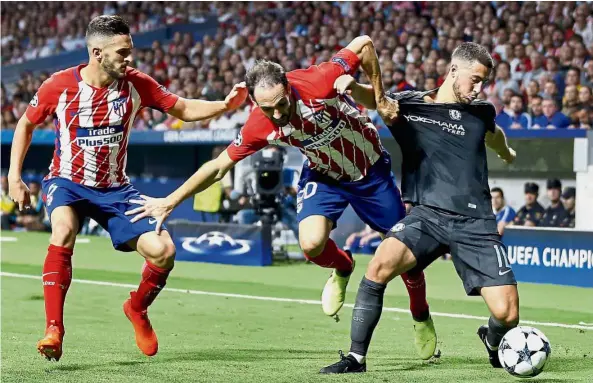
pixel 524 351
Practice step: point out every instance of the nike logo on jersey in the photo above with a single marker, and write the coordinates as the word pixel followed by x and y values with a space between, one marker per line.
pixel 501 273
pixel 151 221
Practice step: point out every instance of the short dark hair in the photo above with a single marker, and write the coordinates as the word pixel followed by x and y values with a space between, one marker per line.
pixel 531 188
pixel 517 95
pixel 265 73
pixel 497 190
pixel 471 52
pixel 107 26
pixel 575 69
pixel 504 63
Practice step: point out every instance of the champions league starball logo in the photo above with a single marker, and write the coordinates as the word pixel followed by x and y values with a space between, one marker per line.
pixel 216 242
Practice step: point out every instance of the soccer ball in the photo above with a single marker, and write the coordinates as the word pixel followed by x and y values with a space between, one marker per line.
pixel 524 351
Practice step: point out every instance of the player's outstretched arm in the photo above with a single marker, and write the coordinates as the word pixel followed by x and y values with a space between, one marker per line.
pixel 497 141
pixel 17 189
pixel 196 110
pixel 364 48
pixel 361 93
pixel 161 208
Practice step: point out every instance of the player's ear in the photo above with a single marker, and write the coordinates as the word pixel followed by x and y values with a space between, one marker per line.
pixel 97 54
pixel 453 70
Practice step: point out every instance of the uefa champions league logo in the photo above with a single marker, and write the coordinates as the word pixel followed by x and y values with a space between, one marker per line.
pixel 216 242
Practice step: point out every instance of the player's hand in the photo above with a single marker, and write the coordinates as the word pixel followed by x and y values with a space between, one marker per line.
pixel 236 97
pixel 508 157
pixel 388 109
pixel 159 208
pixel 19 193
pixel 343 83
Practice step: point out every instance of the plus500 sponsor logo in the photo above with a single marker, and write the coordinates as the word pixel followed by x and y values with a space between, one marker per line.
pixel 111 135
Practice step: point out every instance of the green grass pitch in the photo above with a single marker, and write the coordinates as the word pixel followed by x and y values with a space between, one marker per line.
pixel 208 338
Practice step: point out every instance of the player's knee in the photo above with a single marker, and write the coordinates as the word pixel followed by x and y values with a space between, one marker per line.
pixel 162 254
pixel 63 233
pixel 506 312
pixel 379 271
pixel 391 259
pixel 312 247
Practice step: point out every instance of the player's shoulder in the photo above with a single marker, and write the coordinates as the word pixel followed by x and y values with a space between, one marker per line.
pixel 56 84
pixel 479 102
pixel 484 104
pixel 63 78
pixel 408 96
pixel 133 75
pixel 257 123
pixel 303 81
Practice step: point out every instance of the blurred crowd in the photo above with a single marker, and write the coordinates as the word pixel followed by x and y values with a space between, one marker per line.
pixel 543 50
pixel 560 212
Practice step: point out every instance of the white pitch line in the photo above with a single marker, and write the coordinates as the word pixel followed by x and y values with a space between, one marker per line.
pixel 292 300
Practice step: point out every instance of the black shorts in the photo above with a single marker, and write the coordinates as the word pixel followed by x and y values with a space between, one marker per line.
pixel 478 254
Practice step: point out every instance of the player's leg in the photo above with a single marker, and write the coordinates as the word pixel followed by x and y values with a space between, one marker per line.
pixel 480 260
pixel 320 249
pixel 159 252
pixel 399 252
pixel 108 209
pixel 57 268
pixel 319 206
pixel 391 259
pixel 503 303
pixel 379 204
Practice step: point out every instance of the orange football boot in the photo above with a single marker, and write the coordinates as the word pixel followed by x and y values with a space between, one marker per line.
pixel 146 339
pixel 51 344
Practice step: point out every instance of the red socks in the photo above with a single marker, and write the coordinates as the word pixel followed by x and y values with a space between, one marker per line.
pixel 57 275
pixel 153 280
pixel 416 285
pixel 332 257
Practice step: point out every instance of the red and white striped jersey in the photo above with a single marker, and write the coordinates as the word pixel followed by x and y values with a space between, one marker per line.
pixel 93 124
pixel 328 128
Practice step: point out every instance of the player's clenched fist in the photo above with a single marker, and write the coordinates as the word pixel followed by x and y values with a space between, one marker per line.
pixel 509 157
pixel 236 97
pixel 19 193
pixel 388 109
pixel 343 83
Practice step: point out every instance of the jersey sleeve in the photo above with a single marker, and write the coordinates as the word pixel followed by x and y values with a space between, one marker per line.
pixel 43 103
pixel 403 96
pixel 509 215
pixel 152 94
pixel 490 120
pixel 318 80
pixel 251 139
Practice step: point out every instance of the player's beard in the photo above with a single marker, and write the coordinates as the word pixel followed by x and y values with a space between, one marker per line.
pixel 458 95
pixel 110 68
